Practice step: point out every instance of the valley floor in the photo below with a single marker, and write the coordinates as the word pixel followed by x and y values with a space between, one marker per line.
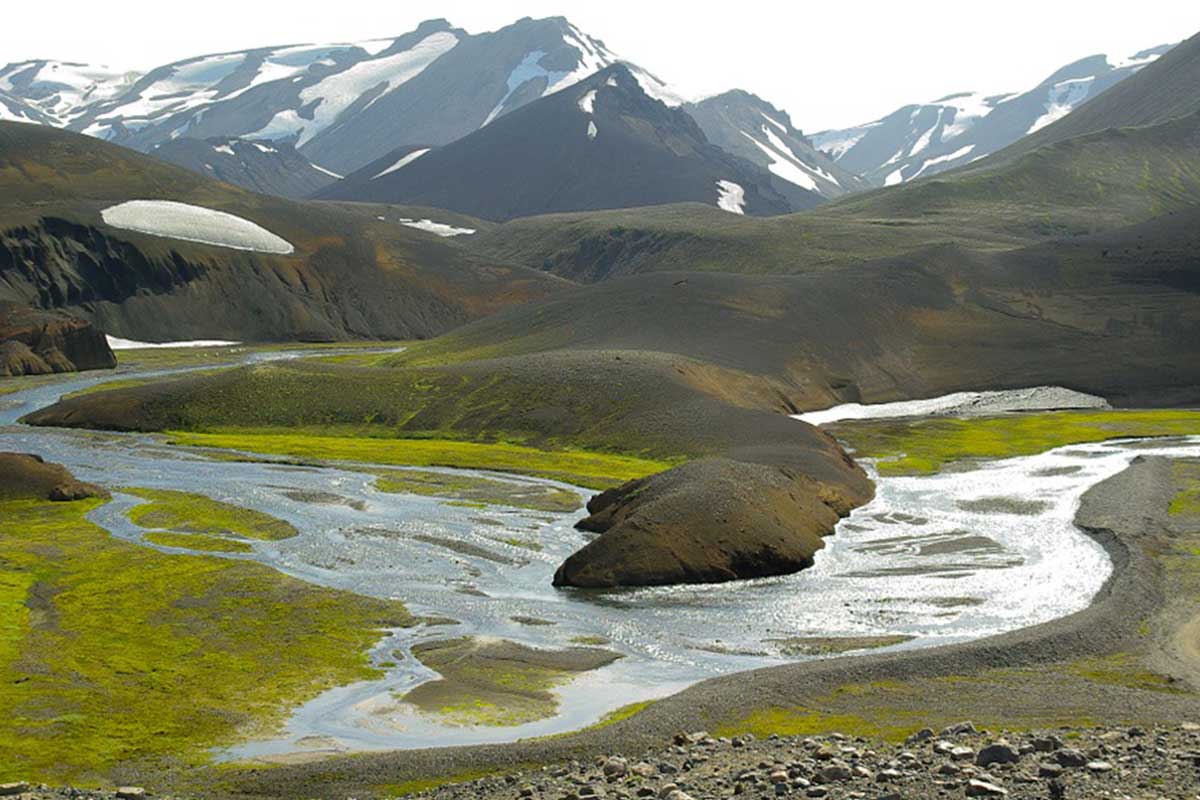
pixel 1129 660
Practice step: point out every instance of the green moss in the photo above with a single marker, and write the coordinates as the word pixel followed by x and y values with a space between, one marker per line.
pixel 1187 502
pixel 800 721
pixel 496 683
pixel 196 541
pixel 580 467
pixel 621 714
pixel 185 512
pixel 126 656
pixel 1123 670
pixel 479 491
pixel 419 785
pixel 925 446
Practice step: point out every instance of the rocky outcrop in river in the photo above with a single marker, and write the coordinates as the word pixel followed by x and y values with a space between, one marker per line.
pixel 705 522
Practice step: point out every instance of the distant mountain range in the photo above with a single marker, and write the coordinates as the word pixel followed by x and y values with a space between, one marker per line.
pixel 290 120
pixel 927 138
pixel 333 109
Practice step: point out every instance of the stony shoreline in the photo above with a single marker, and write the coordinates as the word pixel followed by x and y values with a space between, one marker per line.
pixel 959 761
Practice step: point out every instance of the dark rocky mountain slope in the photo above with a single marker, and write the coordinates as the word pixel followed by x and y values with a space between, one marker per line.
pixel 273 168
pixel 603 143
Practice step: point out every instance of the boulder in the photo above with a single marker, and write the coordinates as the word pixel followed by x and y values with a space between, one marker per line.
pixel 997 753
pixel 25 476
pixel 707 521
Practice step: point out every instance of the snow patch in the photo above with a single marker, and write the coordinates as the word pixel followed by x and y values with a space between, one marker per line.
pixel 1131 61
pixel 656 89
pixel 336 93
pixel 895 178
pixel 790 154
pixel 1062 100
pixel 587 103
pixel 402 163
pixel 836 144
pixel 224 149
pixel 436 228
pixel 1038 398
pixel 956 155
pixel 194 224
pixel 592 132
pixel 785 167
pixel 116 343
pixel 927 136
pixel 731 197
pixel 776 123
pixel 328 172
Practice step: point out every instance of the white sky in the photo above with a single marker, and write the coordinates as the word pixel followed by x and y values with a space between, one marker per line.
pixel 826 71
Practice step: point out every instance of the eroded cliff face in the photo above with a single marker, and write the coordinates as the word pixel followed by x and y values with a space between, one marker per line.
pixel 57 263
pixel 35 342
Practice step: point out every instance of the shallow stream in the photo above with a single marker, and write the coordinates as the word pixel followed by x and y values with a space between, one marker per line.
pixel 960 555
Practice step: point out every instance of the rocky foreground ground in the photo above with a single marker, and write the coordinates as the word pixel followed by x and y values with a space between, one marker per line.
pixel 957 762
pixel 960 761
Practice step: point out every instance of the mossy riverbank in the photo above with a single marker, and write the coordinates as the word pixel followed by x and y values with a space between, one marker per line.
pixel 925 446
pixel 116 658
pixel 334 444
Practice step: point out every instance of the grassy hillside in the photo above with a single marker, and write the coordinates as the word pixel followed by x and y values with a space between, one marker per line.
pixel 1117 314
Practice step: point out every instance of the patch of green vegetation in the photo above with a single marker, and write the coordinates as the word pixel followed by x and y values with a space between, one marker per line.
pixel 801 721
pixel 185 512
pixel 526 545
pixel 1123 670
pixel 579 467
pixel 117 655
pixel 621 714
pixel 481 491
pixel 420 785
pixel 197 541
pixel 924 446
pixel 497 683
pixel 1187 502
pixel 590 641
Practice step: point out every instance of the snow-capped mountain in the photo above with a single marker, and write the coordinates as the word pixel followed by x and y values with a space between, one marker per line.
pixel 62 90
pixel 14 109
pixel 267 167
pixel 924 139
pixel 341 105
pixel 605 142
pixel 750 127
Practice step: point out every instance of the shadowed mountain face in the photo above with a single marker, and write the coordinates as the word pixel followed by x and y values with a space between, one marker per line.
pixel 348 274
pixel 603 143
pixel 924 139
pixel 263 167
pixel 751 128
